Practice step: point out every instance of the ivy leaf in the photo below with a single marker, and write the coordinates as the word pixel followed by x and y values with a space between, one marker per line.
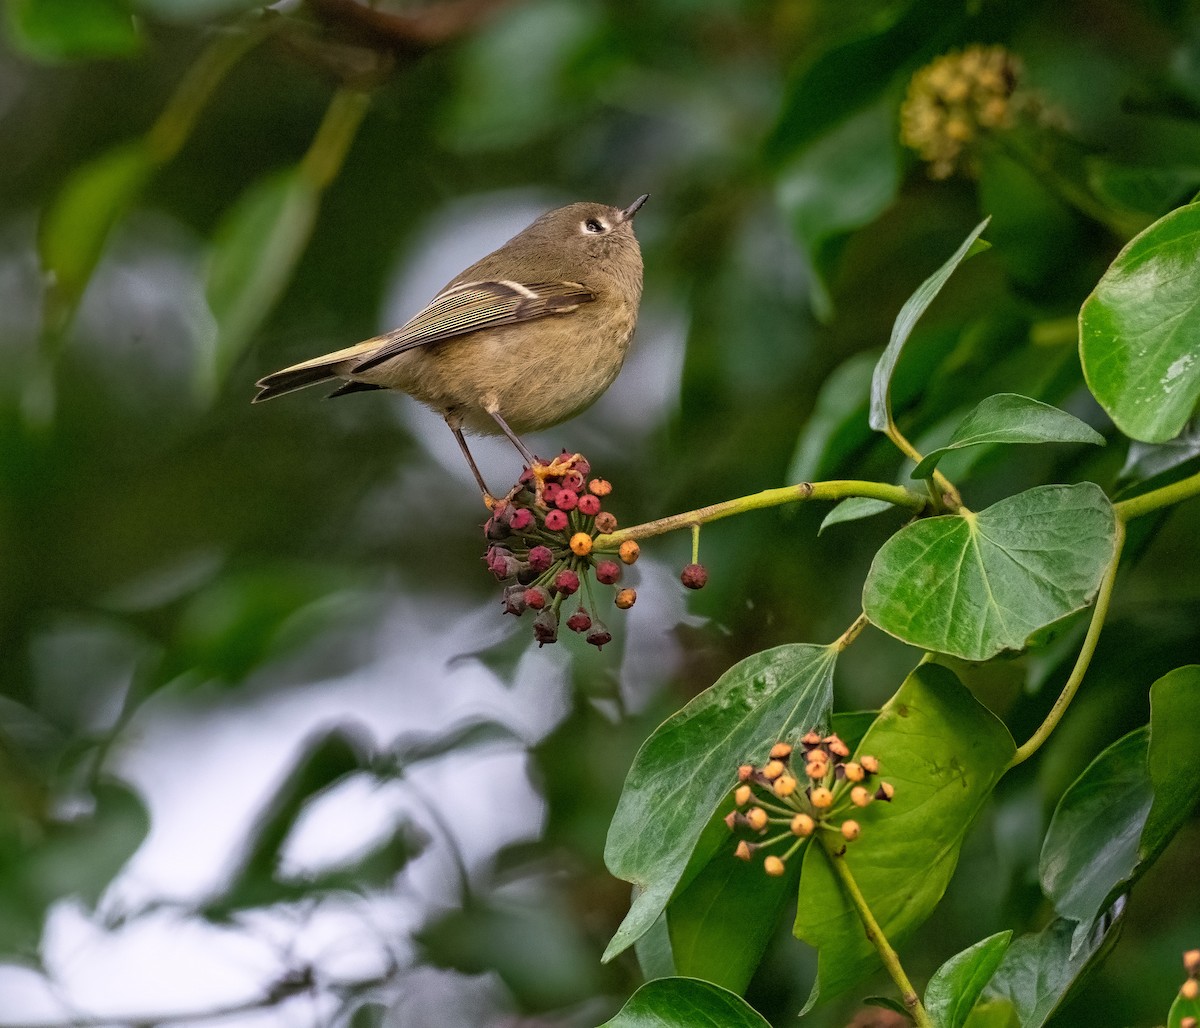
pixel 1091 846
pixel 906 320
pixel 854 508
pixel 944 752
pixel 1138 330
pixel 1125 807
pixel 685 769
pixel 1011 418
pixel 256 248
pixel 973 585
pixel 956 985
pixel 1039 971
pixel 685 1003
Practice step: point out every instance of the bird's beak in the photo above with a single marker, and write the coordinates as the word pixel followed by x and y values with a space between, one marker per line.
pixel 633 208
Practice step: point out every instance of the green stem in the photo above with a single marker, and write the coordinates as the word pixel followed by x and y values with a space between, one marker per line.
pixel 908 995
pixel 175 124
pixel 941 489
pixel 851 633
pixel 1086 651
pixel 1156 499
pixel 336 132
pixel 836 490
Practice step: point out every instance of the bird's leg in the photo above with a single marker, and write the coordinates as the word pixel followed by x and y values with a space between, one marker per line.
pixel 489 500
pixel 530 460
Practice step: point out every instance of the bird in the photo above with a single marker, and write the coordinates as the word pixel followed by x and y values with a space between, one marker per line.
pixel 522 340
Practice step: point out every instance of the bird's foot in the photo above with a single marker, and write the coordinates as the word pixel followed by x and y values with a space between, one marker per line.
pixel 561 465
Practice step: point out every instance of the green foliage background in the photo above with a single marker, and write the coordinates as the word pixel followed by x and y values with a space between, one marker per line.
pixel 165 544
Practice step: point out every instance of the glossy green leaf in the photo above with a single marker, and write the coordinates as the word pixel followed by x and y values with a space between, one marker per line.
pixel 685 1003
pixel 1174 757
pixel 943 751
pixel 974 585
pixel 685 769
pixel 1127 805
pixel 1138 330
pixel 1091 846
pixel 1039 971
pixel 1011 418
pixel 77 223
pixel 255 251
pixel 854 509
pixel 957 984
pixel 837 425
pixel 1145 461
pixel 906 320
pixel 54 30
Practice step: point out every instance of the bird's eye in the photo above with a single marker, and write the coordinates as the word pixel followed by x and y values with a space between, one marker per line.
pixel 592 225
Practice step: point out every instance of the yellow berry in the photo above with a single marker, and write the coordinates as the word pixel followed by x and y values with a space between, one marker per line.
pixel 837 747
pixel 815 769
pixel 626 598
pixel 784 786
pixel 744 772
pixel 773 866
pixel 850 830
pixel 853 771
pixel 781 751
pixel 1191 962
pixel 885 791
pixel 1190 989
pixel 581 544
pixel 743 850
pixel 1187 1022
pixel 773 769
pixel 756 818
pixel 811 739
pixel 859 796
pixel 803 825
pixel 821 798
pixel 869 764
pixel 629 551
pixel 741 795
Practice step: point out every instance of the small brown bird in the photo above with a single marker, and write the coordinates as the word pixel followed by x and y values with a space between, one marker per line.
pixel 524 339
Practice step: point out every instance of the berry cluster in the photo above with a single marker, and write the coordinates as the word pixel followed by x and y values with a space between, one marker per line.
pixel 775 795
pixel 956 99
pixel 1190 990
pixel 541 535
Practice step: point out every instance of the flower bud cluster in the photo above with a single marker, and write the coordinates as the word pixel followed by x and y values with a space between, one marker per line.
pixel 955 100
pixel 800 790
pixel 1190 989
pixel 541 541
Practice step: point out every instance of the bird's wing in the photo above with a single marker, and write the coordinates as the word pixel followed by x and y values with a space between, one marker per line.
pixel 471 306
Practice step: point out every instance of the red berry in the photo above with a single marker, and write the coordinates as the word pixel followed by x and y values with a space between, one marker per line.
pixel 521 520
pixel 566 499
pixel 694 576
pixel 566 582
pixel 556 520
pixel 589 505
pixel 608 572
pixel 540 558
pixel 579 621
pixel 606 522
pixel 551 490
pixel 536 597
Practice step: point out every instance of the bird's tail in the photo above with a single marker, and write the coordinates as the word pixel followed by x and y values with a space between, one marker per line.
pixel 310 372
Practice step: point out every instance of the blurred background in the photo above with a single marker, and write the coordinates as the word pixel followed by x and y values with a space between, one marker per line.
pixel 270 754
